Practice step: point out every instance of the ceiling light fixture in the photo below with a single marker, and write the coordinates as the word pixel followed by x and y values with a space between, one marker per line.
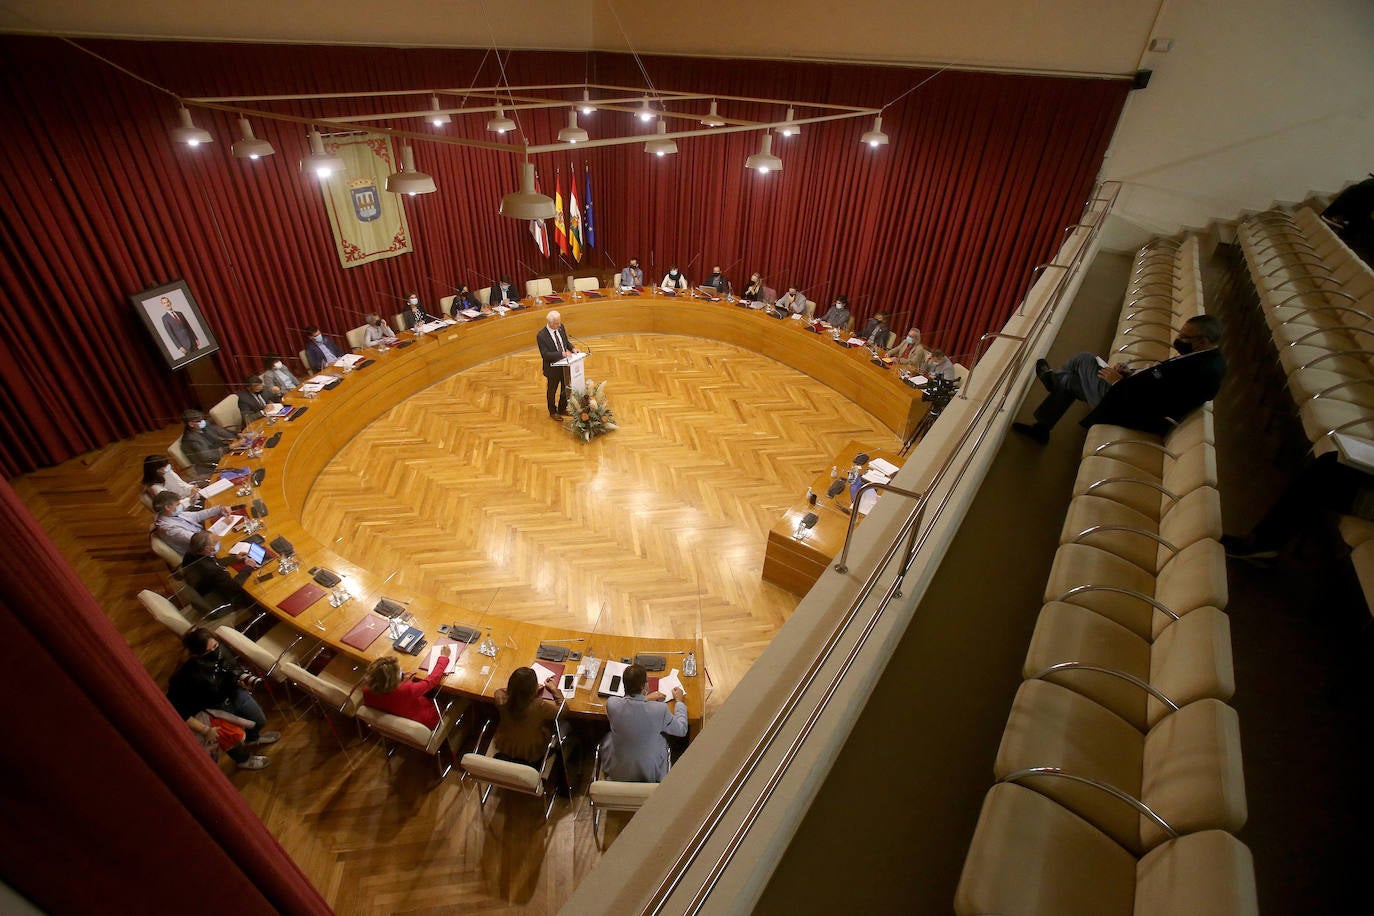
pixel 527 203
pixel 764 161
pixel 790 129
pixel 407 180
pixel 187 132
pixel 249 146
pixel 499 122
pixel 875 137
pixel 572 133
pixel 318 161
pixel 712 119
pixel 587 106
pixel 645 113
pixel 660 146
pixel 438 118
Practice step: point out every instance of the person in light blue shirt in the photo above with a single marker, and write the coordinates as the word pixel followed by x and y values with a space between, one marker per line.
pixel 636 750
pixel 319 352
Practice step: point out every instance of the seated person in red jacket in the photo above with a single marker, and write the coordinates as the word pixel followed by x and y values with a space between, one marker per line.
pixel 526 722
pixel 385 691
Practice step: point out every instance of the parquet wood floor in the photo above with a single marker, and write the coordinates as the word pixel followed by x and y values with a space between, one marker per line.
pixel 468 490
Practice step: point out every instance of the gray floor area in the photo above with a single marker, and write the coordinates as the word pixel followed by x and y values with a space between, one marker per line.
pixel 894 819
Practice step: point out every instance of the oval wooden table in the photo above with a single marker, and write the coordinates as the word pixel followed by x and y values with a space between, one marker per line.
pixel 310 441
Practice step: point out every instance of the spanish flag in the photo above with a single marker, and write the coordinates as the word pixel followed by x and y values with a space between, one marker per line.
pixel 560 229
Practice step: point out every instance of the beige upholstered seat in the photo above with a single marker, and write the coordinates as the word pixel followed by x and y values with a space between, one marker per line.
pixel 398 322
pixel 541 287
pixel 1080 649
pixel 1149 494
pixel 1148 451
pixel 164 551
pixel 178 456
pixel 412 734
pixel 506 774
pixel 484 295
pixel 586 283
pixel 357 337
pixel 446 304
pixel 612 795
pixel 1031 857
pixel 1117 528
pixel 1139 600
pixel 1186 770
pixel 265 653
pixel 226 413
pixel 305 364
pixel 333 688
pixel 164 612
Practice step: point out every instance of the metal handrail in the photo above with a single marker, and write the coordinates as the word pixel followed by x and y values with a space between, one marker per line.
pixel 1144 685
pixel 978 356
pixel 1107 787
pixel 911 527
pixel 843 565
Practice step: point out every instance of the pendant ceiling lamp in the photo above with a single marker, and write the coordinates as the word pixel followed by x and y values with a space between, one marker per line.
pixel 527 203
pixel 318 161
pixel 187 132
pixel 764 161
pixel 407 180
pixel 248 146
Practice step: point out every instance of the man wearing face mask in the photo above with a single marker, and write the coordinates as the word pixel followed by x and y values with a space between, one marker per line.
pixel 1151 399
pixel 792 302
pixel 717 282
pixel 175 526
pixel 674 279
pixel 415 312
pixel 631 275
pixel 253 400
pixel 319 352
pixel 909 351
pixel 376 330
pixel 203 442
pixel 276 378
pixel 503 293
pixel 838 316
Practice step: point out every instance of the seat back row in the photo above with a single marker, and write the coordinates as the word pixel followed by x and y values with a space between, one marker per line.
pixel 1119 776
pixel 1317 298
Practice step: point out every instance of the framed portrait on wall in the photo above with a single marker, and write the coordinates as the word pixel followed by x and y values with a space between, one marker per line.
pixel 174 320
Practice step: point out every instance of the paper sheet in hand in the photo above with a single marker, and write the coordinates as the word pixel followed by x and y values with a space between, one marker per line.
pixel 612 669
pixel 669 682
pixel 225 525
pixel 216 488
pixel 432 659
pixel 882 466
pixel 544 672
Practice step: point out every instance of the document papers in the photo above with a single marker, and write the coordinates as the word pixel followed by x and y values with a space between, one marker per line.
pixel 614 671
pixel 216 488
pixel 222 527
pixel 670 682
pixel 883 466
pixel 347 362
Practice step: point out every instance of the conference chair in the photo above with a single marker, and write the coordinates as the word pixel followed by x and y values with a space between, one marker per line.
pixel 1145 540
pixel 164 551
pixel 307 372
pixel 1139 680
pixel 227 414
pixel 770 295
pixel 1147 493
pixel 164 612
pixel 398 322
pixel 584 284
pixel 267 652
pixel 400 730
pixel 540 287
pixel 1032 857
pixel 892 342
pixel 178 456
pixel 484 767
pixel 1149 451
pixel 1182 776
pixel 484 295
pixel 959 368
pixel 332 690
pixel 357 337
pixel 810 308
pixel 446 305
pixel 612 795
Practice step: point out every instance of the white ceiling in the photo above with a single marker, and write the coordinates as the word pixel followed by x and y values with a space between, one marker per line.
pixel 1067 36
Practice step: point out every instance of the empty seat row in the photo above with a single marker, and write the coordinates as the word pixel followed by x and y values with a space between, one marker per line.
pixel 1317 298
pixel 1119 775
pixel 1165 290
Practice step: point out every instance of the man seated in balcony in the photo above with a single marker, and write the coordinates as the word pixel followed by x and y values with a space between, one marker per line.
pixel 1151 399
pixel 636 749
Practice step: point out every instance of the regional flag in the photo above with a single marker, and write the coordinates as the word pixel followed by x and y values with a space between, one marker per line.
pixel 574 218
pixel 538 229
pixel 588 230
pixel 560 230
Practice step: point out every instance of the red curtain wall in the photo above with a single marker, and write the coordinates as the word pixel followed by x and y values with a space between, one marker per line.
pixel 941 227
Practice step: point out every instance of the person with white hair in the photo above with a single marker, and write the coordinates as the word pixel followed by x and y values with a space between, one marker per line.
pixel 554 345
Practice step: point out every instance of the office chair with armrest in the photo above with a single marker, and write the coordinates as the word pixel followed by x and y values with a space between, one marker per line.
pixel 484 767
pixel 583 284
pixel 540 287
pixel 612 795
pixel 446 305
pixel 413 734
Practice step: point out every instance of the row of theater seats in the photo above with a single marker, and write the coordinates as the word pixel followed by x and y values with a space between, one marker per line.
pixel 1119 776
pixel 1318 300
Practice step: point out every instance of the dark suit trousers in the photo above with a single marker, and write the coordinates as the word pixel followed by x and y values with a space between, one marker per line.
pixel 1076 380
pixel 557 388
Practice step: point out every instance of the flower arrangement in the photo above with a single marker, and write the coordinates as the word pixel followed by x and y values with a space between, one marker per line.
pixel 591 414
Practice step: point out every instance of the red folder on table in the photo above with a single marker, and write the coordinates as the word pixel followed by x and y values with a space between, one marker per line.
pixel 301 599
pixel 366 631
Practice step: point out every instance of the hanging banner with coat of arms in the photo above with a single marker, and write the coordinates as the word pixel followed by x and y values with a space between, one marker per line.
pixel 368 223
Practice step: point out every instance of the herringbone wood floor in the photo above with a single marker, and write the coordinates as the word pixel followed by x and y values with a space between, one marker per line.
pixel 470 493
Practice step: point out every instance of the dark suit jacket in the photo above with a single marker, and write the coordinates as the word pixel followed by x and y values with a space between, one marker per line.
pixel 1154 400
pixel 252 405
pixel 494 298
pixel 549 352
pixel 412 319
pixel 179 329
pixel 315 357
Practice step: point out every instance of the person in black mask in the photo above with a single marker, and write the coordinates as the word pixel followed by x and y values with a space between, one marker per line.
pixel 718 282
pixel 674 279
pixel 1152 399
pixel 375 330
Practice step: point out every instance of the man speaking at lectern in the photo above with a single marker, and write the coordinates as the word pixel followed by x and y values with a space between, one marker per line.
pixel 554 345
